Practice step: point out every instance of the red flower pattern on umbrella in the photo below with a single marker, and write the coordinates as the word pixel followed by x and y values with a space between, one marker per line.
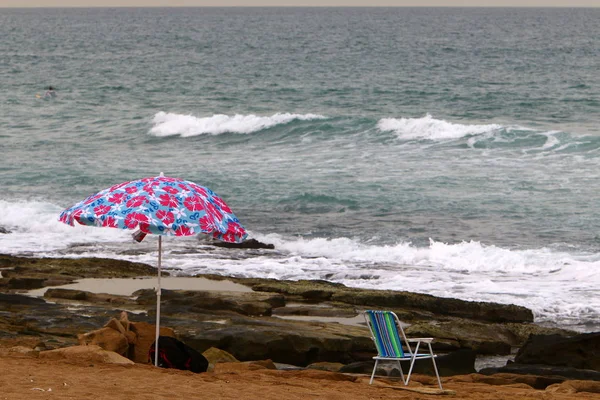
pixel 134 219
pixel 166 217
pixel 149 187
pixel 193 203
pixel 101 210
pixel 200 190
pixel 117 198
pixel 110 222
pixel 117 186
pixel 136 201
pixel 206 224
pixel 184 231
pixel 170 190
pixel 221 204
pixel 93 198
pixel 213 212
pixel 168 200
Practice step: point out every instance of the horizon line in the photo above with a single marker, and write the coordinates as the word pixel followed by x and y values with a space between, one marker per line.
pixel 299 6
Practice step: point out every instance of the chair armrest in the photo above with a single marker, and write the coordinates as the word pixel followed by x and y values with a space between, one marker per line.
pixel 424 339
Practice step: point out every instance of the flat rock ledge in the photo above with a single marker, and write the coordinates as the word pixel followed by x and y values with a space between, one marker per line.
pixel 298 323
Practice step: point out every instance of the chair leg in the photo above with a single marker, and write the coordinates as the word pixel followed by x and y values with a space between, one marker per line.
pixel 412 363
pixel 373 374
pixel 401 372
pixel 435 366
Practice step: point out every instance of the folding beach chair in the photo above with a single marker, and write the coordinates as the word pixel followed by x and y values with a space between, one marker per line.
pixel 389 336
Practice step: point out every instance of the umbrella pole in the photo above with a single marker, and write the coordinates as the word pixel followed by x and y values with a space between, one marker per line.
pixel 158 303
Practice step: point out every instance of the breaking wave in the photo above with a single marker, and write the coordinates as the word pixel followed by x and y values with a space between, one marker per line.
pixel 169 124
pixel 431 128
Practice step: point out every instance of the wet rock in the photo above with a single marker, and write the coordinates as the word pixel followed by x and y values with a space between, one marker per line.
pixel 3 230
pixel 246 244
pixel 67 294
pixel 389 299
pixel 25 283
pixel 85 296
pixel 311 290
pixel 579 351
pixel 483 338
pixel 245 303
pixel 319 311
pixel 239 322
pixel 315 290
pixel 6 300
pixel 65 268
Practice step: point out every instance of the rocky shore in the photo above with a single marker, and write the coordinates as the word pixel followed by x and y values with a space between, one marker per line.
pixel 297 325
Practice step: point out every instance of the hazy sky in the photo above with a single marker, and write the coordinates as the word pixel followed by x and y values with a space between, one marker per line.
pixel 222 3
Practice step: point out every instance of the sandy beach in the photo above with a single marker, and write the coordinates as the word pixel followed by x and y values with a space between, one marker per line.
pixel 32 378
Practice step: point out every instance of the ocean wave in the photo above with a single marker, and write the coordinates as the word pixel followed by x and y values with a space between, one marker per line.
pixel 169 124
pixel 430 128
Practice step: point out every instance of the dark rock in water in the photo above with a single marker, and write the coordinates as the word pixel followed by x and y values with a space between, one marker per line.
pixel 246 244
pixel 4 230
pixel 67 294
pixel 580 351
pixel 25 283
pixel 551 374
pixel 6 299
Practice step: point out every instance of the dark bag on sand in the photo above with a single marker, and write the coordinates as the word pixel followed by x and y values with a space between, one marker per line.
pixel 173 353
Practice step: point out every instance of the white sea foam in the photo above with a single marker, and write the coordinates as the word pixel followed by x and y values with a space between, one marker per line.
pixel 557 286
pixel 552 140
pixel 168 124
pixel 431 128
pixel 35 227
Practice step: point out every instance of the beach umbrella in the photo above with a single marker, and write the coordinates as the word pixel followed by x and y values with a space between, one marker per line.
pixel 158 205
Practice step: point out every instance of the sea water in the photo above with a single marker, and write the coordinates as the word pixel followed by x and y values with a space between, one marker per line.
pixel 449 151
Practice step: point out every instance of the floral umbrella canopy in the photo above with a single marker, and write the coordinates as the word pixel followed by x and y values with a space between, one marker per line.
pixel 159 205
